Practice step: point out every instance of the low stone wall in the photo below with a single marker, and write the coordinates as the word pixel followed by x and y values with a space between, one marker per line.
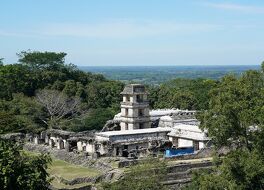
pixel 78 180
pixel 127 163
pixel 88 187
pixel 187 166
pixel 71 157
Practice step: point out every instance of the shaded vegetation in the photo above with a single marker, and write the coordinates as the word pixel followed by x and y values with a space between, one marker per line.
pixel 22 171
pixel 235 119
pixel 21 111
pixel 182 94
pixel 42 91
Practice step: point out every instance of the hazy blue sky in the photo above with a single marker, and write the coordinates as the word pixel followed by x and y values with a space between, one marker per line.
pixel 136 32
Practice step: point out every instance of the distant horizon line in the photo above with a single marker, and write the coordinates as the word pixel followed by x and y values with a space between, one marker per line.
pixel 164 65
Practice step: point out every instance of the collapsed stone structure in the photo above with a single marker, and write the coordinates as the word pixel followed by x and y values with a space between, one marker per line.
pixel 135 132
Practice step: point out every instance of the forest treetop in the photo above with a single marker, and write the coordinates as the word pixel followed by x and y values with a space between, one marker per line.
pixel 99 97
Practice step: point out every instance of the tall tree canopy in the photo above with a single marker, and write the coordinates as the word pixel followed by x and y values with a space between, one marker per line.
pixel 1 61
pixel 236 107
pixel 48 71
pixel 182 94
pixel 235 119
pixel 42 60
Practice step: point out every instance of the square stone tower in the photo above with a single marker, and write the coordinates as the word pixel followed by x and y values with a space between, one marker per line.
pixel 134 108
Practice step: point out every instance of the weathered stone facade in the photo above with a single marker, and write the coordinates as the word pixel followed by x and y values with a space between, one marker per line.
pixel 133 143
pixel 136 137
pixel 134 108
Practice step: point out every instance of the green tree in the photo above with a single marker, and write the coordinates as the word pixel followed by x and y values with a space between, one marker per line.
pixel 241 169
pixel 19 170
pixel 42 60
pixel 235 106
pixel 182 94
pixel 8 123
pixel 1 61
pixel 235 119
pixel 104 94
pixel 94 119
pixel 97 118
pixel 70 88
pixel 16 78
pixel 21 114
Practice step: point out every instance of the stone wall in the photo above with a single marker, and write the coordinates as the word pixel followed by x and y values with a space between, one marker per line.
pixel 71 157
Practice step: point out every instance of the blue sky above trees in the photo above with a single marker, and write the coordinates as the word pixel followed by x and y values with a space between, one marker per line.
pixel 136 32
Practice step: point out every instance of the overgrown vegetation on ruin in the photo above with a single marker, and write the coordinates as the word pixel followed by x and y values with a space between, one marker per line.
pixel 19 170
pixel 232 109
pixel 46 74
pixel 234 119
pixel 42 91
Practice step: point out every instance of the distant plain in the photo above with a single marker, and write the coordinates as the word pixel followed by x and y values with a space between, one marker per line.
pixel 156 75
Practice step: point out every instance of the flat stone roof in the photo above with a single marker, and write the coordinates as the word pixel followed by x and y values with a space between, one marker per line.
pixel 166 112
pixel 134 132
pixel 134 89
pixel 191 132
pixel 193 128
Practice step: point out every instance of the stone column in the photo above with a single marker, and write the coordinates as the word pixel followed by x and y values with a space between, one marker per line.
pixel 196 145
pixel 60 144
pixel 47 139
pixel 67 146
pixel 36 139
pixel 79 145
pixel 114 151
pixel 175 141
pixel 43 135
pixel 51 143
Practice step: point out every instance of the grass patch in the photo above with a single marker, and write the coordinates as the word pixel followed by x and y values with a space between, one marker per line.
pixel 69 171
pixel 66 170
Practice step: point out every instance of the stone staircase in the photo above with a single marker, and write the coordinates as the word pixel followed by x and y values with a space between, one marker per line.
pixel 180 174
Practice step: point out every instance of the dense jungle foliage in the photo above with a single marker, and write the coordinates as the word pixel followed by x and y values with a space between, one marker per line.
pixel 20 170
pixel 43 91
pixel 21 110
pixel 40 80
pixel 234 119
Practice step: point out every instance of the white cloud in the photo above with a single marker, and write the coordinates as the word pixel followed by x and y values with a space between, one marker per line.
pixel 237 7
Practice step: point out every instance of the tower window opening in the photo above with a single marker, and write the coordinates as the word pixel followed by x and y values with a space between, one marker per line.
pixel 127 98
pixel 140 112
pixel 139 98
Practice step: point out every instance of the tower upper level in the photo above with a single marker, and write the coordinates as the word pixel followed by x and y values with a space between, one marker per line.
pixel 134 93
pixel 134 108
pixel 134 89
